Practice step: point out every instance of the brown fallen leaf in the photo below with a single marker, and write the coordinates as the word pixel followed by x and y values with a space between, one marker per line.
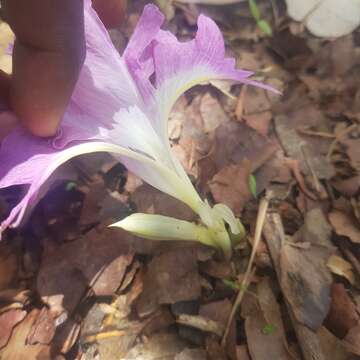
pixel 18 348
pixel 65 337
pixel 212 113
pixel 230 186
pixel 8 266
pixel 341 267
pixel 98 259
pixel 261 343
pixel 151 200
pixel 242 353
pixel 216 269
pixel 316 230
pixel 256 101
pixel 332 347
pixel 273 171
pixel 43 329
pixel 159 346
pixel 233 142
pixel 347 187
pixel 352 150
pixel 191 354
pixel 8 321
pixel 342 315
pixel 264 329
pixel 270 307
pixel 94 193
pixel 310 151
pixel 345 225
pixel 219 311
pixel 260 122
pixel 352 340
pixel 306 282
pixel 159 320
pixel 171 277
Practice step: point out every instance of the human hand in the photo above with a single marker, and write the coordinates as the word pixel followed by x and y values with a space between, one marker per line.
pixel 48 55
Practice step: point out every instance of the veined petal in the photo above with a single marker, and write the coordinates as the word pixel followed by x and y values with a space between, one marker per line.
pixel 180 66
pixel 29 160
pixel 104 86
pixel 176 67
pixel 104 72
pixel 138 53
pixel 159 227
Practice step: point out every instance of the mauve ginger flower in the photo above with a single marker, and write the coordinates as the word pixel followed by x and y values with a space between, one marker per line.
pixel 121 105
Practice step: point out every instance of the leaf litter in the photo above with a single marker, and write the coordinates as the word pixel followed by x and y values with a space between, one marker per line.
pixel 71 287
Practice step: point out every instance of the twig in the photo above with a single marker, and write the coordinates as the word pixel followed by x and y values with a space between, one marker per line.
pixel 308 339
pixel 264 204
pixel 202 323
pixel 306 131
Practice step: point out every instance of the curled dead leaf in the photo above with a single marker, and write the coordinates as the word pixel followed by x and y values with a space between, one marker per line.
pixel 345 225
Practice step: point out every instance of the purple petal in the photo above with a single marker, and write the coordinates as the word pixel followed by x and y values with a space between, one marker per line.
pixel 110 85
pixel 104 86
pixel 139 53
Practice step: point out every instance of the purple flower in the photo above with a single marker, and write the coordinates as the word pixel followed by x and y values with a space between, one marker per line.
pixel 118 108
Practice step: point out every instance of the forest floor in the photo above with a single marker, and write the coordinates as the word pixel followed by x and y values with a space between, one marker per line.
pixel 71 288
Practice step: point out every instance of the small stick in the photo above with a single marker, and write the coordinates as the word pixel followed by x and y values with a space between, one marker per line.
pixel 264 204
pixel 202 323
pixel 308 339
pixel 305 131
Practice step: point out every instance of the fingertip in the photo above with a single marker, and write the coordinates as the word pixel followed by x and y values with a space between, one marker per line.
pixel 41 128
pixel 39 122
pixel 111 12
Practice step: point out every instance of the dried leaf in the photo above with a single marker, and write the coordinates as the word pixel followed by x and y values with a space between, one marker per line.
pixel 171 277
pixel 342 315
pixel 306 281
pixel 332 347
pixel 230 186
pixel 341 267
pixel 191 354
pixel 8 321
pixel 344 225
pixel 212 113
pixel 352 340
pixel 43 330
pixel 8 266
pixel 261 344
pixel 98 259
pixel 158 347
pixel 234 142
pixel 18 348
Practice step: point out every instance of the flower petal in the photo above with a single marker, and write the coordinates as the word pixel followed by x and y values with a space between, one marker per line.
pixel 177 66
pixel 104 86
pixel 32 162
pixel 138 53
pixel 180 66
